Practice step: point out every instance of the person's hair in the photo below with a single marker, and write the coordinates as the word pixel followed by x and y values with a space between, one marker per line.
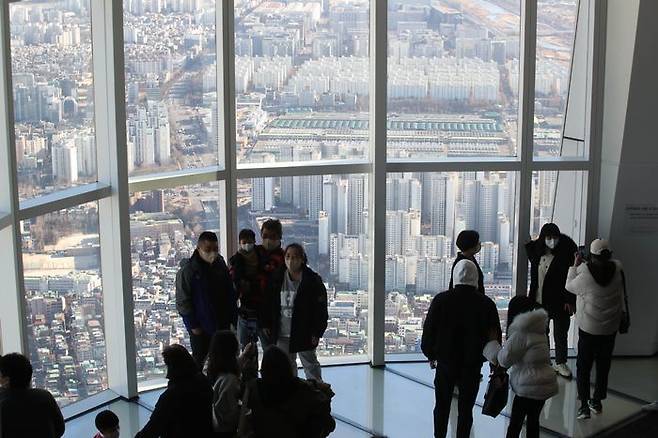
pixel 273 225
pixel 223 355
pixel 106 420
pixel 276 366
pixel 246 234
pixel 518 305
pixel 179 362
pixel 208 236
pixel 17 368
pixel 300 249
pixel 549 229
pixel 467 239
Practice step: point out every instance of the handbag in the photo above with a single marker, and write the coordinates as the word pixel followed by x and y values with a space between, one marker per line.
pixel 625 322
pixel 495 398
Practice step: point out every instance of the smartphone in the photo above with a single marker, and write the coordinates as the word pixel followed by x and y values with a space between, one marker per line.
pixel 584 252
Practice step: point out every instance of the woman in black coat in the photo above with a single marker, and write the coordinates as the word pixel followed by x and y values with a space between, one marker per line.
pixel 550 257
pixel 185 408
pixel 295 315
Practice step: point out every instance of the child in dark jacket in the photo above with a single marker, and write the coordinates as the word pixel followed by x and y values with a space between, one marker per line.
pixel 244 269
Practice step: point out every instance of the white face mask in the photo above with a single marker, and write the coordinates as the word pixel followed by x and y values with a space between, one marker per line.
pixel 246 247
pixel 270 244
pixel 208 257
pixel 551 243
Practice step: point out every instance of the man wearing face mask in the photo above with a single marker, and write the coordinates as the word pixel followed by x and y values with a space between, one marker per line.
pixel 550 257
pixel 296 314
pixel 468 242
pixel 205 296
pixel 270 259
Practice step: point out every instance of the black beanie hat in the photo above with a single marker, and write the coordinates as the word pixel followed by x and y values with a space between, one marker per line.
pixel 549 230
pixel 467 239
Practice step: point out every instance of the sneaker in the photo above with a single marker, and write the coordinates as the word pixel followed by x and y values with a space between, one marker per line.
pixel 583 413
pixel 651 407
pixel 595 406
pixel 563 370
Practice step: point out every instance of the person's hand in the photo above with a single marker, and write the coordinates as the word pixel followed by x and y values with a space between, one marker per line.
pixel 569 309
pixel 433 364
pixel 197 331
pixel 578 259
pixel 315 341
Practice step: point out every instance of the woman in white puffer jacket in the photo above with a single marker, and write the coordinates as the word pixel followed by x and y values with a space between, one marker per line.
pixel 526 353
pixel 598 286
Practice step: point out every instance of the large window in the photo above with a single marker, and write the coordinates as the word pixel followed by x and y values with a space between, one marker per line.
pixel 171 85
pixel 301 80
pixel 424 214
pixel 451 92
pixel 327 214
pixel 164 227
pixel 53 95
pixel 64 302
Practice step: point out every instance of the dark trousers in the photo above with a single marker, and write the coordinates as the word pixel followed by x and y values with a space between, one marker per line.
pixel 561 322
pixel 200 345
pixel 468 382
pixel 523 408
pixel 593 348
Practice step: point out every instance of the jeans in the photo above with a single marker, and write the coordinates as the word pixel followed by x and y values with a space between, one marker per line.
pixel 309 358
pixel 468 382
pixel 200 345
pixel 247 330
pixel 561 322
pixel 593 348
pixel 521 408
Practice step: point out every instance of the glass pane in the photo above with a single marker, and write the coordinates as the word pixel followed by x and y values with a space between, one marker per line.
pixel 64 302
pixel 560 197
pixel 453 72
pixel 301 73
pixel 171 85
pixel 556 27
pixel 424 214
pixel 328 215
pixel 53 92
pixel 164 226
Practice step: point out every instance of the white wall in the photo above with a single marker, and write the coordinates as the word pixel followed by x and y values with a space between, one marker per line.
pixel 629 173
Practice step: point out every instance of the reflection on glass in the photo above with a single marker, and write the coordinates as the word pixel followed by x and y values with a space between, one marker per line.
pixel 171 85
pixel 301 73
pixel 64 302
pixel 328 215
pixel 452 78
pixel 164 226
pixel 425 212
pixel 53 95
pixel 556 27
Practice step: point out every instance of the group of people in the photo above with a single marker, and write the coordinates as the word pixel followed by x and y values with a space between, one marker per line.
pixel 462 330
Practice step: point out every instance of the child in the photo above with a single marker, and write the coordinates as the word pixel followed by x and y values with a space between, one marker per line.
pixel 244 273
pixel 527 354
pixel 107 424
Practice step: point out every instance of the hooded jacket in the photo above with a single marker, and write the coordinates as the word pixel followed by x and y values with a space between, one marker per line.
pixel 526 353
pixel 600 296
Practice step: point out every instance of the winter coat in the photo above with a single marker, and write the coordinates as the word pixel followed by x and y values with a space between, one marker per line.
pixel 29 412
pixel 457 328
pixel 226 402
pixel 205 297
pixel 183 410
pixel 309 316
pixel 461 257
pixel 248 287
pixel 526 353
pixel 600 303
pixel 554 294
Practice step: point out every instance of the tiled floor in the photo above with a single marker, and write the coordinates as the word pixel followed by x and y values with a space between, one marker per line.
pixel 397 403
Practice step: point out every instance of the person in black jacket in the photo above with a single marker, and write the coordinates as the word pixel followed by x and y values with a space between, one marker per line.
pixel 25 411
pixel 551 256
pixel 295 317
pixel 458 325
pixel 205 296
pixel 468 242
pixel 185 408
